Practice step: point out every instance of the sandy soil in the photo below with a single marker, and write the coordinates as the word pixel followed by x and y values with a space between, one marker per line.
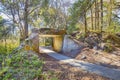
pixel 66 72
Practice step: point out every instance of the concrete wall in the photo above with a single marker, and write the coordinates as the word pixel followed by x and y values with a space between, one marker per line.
pixel 58 43
pixel 71 47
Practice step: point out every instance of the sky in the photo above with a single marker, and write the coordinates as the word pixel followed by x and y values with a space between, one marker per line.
pixel 4 16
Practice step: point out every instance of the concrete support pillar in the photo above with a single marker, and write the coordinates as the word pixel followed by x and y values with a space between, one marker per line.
pixel 57 43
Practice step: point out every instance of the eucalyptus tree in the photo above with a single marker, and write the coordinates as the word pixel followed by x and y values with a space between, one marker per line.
pixel 22 12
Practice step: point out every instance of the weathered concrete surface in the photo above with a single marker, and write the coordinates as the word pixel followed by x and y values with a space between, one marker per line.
pixel 100 70
pixel 33 41
pixel 70 46
pixel 58 42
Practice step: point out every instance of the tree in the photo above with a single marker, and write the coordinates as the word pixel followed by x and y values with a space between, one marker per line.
pixel 79 12
pixel 101 7
pixel 92 18
pixel 20 12
pixel 54 15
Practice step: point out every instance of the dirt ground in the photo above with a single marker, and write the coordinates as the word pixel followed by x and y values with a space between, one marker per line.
pixel 111 60
pixel 66 72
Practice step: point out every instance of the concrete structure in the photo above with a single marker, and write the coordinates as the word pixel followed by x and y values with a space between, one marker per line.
pixel 57 35
pixel 61 42
pixel 71 46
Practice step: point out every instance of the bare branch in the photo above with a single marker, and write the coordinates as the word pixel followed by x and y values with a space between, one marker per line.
pixel 33 9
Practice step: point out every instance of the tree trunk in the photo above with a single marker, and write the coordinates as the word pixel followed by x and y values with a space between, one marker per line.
pixel 101 2
pixel 110 12
pixel 26 20
pixel 85 23
pixel 24 33
pixel 92 18
pixel 95 14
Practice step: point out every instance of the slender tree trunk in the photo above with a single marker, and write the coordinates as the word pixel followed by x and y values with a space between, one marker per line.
pixel 95 14
pixel 110 12
pixel 85 23
pixel 26 19
pixel 92 18
pixel 101 2
pixel 5 42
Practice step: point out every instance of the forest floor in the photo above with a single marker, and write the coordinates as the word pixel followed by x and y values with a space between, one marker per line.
pixel 111 60
pixel 65 71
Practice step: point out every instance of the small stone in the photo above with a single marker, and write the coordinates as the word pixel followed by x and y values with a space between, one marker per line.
pixel 96 52
pixel 83 57
pixel 95 47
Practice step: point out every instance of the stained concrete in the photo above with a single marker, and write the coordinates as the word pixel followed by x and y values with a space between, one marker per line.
pixel 71 46
pixel 93 68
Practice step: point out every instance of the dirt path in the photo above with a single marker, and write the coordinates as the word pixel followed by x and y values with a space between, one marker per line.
pixel 92 68
pixel 67 72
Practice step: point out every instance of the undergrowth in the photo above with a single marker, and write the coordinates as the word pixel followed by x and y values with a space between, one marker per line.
pixel 22 65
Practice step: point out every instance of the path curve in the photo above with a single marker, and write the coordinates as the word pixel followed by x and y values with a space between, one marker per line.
pixel 94 68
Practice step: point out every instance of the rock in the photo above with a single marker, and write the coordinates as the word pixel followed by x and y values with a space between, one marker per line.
pixel 95 47
pixel 102 46
pixel 91 41
pixel 83 57
pixel 96 52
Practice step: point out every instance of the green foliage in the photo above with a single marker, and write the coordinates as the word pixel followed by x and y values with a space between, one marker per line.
pixel 2 49
pixel 22 66
pixel 77 12
pixel 7 47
